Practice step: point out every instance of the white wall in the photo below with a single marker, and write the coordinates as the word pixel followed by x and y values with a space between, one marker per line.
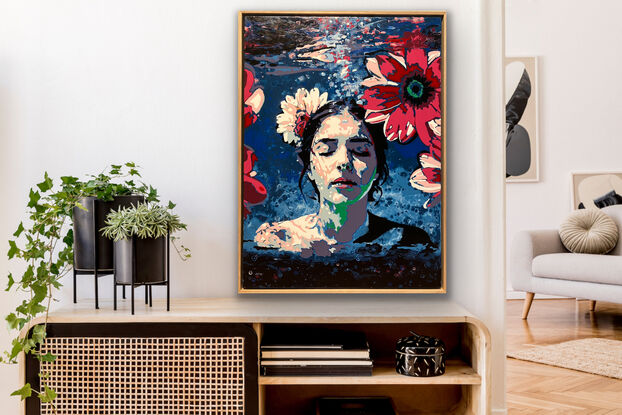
pixel 84 84
pixel 579 99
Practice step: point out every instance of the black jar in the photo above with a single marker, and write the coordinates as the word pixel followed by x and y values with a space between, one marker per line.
pixel 420 356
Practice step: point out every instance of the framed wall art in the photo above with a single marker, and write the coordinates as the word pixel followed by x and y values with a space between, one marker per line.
pixel 342 152
pixel 596 190
pixel 521 119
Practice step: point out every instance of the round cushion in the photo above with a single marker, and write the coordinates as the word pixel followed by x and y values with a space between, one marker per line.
pixel 589 231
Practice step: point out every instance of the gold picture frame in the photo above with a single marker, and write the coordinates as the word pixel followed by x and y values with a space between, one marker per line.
pixel 268 26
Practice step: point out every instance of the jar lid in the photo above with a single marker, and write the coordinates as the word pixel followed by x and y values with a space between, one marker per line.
pixel 417 344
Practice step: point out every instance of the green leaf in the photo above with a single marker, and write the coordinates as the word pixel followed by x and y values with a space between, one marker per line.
pixel 68 239
pixel 13 249
pixel 41 291
pixel 49 357
pixel 11 282
pixel 29 345
pixel 35 309
pixel 34 198
pixel 23 392
pixel 19 230
pixel 79 205
pixel 17 347
pixel 171 205
pixel 48 395
pixel 27 277
pixel 15 322
pixel 12 320
pixel 69 180
pixel 38 333
pixel 46 184
pixel 130 164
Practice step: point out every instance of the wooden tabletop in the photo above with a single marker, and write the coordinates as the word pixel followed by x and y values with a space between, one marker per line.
pixel 272 309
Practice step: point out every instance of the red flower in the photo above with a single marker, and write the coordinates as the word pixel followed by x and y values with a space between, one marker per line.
pixel 253 100
pixel 428 178
pixel 434 127
pixel 404 93
pixel 254 191
pixel 409 40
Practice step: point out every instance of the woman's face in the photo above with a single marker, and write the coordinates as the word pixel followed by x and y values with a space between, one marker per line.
pixel 343 159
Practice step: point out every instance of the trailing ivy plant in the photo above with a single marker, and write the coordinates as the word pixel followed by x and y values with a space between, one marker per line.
pixel 145 221
pixel 44 246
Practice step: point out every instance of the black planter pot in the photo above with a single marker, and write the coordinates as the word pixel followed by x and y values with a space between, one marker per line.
pixel 89 245
pixel 140 261
pixel 84 224
pixel 145 262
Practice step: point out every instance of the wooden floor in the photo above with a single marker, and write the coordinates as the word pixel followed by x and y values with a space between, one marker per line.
pixel 534 388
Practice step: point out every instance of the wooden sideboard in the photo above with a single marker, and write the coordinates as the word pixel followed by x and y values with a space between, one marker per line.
pixel 463 389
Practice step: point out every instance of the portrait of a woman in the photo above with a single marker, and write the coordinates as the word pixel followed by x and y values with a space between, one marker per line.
pixel 344 159
pixel 341 150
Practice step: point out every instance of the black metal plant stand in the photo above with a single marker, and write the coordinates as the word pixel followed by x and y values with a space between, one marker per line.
pixel 148 285
pixel 97 273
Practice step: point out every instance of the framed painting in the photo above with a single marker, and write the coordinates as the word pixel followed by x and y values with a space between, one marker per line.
pixel 596 190
pixel 521 119
pixel 341 129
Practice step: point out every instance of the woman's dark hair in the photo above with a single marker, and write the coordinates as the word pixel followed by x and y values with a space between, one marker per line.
pixel 375 131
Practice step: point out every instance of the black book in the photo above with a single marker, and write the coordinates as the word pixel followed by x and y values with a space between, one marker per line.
pixel 316 370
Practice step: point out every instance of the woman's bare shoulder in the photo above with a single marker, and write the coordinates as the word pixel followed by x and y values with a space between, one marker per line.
pixel 288 235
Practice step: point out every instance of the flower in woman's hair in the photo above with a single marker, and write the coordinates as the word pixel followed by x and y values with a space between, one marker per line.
pixel 428 178
pixel 404 93
pixel 297 111
pixel 254 191
pixel 253 98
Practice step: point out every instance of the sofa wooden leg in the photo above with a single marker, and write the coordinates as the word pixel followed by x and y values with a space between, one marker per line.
pixel 592 305
pixel 527 304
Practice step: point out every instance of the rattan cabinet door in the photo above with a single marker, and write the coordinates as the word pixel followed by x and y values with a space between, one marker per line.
pixel 148 368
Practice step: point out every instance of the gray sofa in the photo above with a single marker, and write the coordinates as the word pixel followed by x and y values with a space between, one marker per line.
pixel 540 264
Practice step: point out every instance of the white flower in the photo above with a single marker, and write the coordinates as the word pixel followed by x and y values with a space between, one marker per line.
pixel 296 111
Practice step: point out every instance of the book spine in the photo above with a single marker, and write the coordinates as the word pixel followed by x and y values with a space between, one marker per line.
pixel 316 371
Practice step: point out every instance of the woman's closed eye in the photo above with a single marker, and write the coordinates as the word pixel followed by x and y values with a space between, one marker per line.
pixel 325 147
pixel 360 146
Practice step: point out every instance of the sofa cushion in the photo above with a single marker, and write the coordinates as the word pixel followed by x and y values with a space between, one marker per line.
pixel 603 269
pixel 589 231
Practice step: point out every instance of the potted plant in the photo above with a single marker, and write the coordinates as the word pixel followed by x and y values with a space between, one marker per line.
pixel 101 195
pixel 43 244
pixel 141 236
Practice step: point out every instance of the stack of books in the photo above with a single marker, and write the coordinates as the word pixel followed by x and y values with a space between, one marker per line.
pixel 315 352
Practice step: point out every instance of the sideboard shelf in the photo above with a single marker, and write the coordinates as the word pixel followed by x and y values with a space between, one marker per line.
pixel 456 373
pixel 463 389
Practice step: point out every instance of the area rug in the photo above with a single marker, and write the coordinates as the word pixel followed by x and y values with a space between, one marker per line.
pixel 598 356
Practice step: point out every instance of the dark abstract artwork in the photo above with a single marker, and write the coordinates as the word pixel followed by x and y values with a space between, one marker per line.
pixel 341 150
pixel 521 120
pixel 596 190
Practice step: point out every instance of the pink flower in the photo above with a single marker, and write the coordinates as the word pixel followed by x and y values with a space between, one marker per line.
pixel 404 93
pixel 253 100
pixel 254 191
pixel 428 178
